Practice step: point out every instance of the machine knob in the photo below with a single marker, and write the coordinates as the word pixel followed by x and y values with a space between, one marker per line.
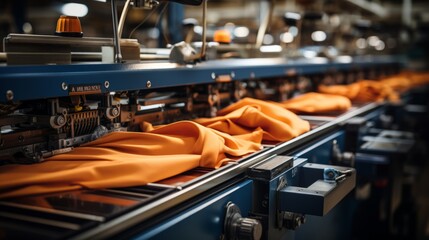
pixel 248 228
pixel 69 26
pixel 238 228
pixel 293 220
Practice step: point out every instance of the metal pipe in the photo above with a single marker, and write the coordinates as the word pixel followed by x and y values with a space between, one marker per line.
pixel 203 47
pixel 116 37
pixel 123 16
pixel 264 25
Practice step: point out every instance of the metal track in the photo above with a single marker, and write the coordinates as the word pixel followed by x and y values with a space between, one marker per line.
pixel 214 178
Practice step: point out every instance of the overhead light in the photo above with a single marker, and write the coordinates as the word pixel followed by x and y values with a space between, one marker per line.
pixel 361 43
pixel 373 41
pixel 74 9
pixel 268 39
pixel 318 36
pixel 286 37
pixel 293 30
pixel 309 53
pixel 380 46
pixel 241 31
pixel 292 15
pixel 270 48
pixel 344 59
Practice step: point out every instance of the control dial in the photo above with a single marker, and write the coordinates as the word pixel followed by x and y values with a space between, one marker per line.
pixel 237 227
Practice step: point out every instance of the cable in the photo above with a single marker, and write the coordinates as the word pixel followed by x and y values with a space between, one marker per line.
pixel 141 23
pixel 166 38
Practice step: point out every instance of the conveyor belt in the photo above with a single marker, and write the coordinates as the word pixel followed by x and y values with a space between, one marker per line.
pixel 102 213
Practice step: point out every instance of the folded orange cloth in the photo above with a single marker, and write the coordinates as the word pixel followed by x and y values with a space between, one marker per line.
pixel 416 78
pixel 363 91
pixel 248 115
pixel 317 103
pixel 398 83
pixel 122 159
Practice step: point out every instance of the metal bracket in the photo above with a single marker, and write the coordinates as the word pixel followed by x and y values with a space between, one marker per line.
pixel 282 183
pixel 320 189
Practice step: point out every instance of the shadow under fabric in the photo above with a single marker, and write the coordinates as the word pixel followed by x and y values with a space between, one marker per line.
pixel 122 159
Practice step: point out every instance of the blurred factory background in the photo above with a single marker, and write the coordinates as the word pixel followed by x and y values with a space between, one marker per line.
pixel 351 27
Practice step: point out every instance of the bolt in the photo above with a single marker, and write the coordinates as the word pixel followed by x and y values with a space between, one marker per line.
pixel 148 84
pixel 9 95
pixel 264 203
pixel 61 120
pixel 106 84
pixel 64 86
pixel 114 112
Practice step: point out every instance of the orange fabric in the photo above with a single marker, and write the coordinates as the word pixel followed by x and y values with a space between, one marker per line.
pixel 416 78
pixel 385 89
pixel 317 103
pixel 249 115
pixel 363 91
pixel 398 83
pixel 122 159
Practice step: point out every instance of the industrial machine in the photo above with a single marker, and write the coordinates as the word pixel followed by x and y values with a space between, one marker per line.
pixel 271 194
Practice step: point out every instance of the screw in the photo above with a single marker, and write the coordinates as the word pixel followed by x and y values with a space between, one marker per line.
pixel 64 86
pixel 148 84
pixel 233 74
pixel 213 75
pixel 61 120
pixel 114 112
pixel 9 95
pixel 106 84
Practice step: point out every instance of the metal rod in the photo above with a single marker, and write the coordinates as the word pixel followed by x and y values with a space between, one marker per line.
pixel 123 17
pixel 264 24
pixel 30 219
pixel 203 47
pixel 55 211
pixel 116 37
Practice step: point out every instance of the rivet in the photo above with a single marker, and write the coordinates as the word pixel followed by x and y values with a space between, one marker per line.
pixel 9 95
pixel 64 86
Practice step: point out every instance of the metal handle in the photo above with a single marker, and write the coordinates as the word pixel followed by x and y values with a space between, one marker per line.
pixel 321 187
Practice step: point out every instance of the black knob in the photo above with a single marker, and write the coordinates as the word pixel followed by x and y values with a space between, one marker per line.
pixel 238 228
pixel 293 220
pixel 248 228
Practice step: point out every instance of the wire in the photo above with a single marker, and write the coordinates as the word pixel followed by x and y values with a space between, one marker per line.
pixel 164 33
pixel 141 23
